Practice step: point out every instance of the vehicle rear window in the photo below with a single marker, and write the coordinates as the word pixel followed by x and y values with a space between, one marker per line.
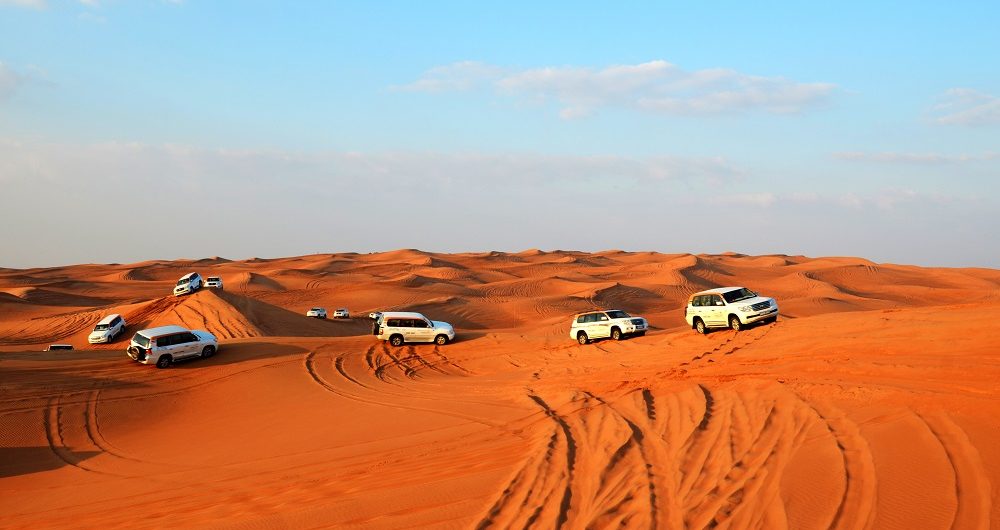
pixel 141 340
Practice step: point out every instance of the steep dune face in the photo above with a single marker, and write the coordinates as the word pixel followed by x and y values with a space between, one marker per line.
pixel 871 403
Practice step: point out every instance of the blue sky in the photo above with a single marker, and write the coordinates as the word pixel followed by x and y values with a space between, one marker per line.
pixel 244 129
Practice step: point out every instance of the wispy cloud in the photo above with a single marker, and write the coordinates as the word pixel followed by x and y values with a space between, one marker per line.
pixel 965 106
pixel 163 163
pixel 879 199
pixel 655 86
pixel 34 4
pixel 10 81
pixel 916 158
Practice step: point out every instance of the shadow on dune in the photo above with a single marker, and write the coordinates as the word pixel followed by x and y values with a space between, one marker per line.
pixel 15 461
pixel 242 352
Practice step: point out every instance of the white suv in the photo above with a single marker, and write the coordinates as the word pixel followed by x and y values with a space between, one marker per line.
pixel 398 327
pixel 165 345
pixel 316 312
pixel 109 328
pixel 188 283
pixel 613 323
pixel 214 282
pixel 728 307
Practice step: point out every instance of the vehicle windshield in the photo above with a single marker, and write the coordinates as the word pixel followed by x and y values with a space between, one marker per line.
pixel 617 314
pixel 101 327
pixel 183 281
pixel 739 294
pixel 141 340
pixel 213 278
pixel 317 309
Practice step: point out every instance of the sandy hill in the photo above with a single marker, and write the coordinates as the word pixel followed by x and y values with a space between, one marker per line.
pixel 871 403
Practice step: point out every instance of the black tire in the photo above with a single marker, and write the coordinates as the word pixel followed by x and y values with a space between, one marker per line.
pixel 164 361
pixel 616 334
pixel 700 327
pixel 207 352
pixel 441 340
pixel 582 338
pixel 735 324
pixel 772 320
pixel 396 340
pixel 641 334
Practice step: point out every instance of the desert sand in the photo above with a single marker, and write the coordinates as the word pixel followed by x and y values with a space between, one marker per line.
pixel 872 403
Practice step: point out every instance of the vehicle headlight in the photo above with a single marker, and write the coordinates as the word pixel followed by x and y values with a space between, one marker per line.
pixel 746 309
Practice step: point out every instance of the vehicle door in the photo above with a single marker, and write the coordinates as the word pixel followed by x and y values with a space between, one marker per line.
pixel 168 345
pixel 406 327
pixel 716 311
pixel 423 330
pixel 192 344
pixel 602 325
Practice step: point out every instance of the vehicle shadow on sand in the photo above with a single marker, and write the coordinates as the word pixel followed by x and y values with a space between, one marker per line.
pixel 241 352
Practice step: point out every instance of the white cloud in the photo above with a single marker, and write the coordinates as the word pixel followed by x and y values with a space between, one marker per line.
pixel 965 106
pixel 916 158
pixel 10 81
pixel 881 199
pixel 763 200
pixel 56 163
pixel 655 86
pixel 34 4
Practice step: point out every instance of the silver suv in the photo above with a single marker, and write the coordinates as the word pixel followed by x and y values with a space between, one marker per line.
pixel 166 345
pixel 728 307
pixel 403 326
pixel 613 323
pixel 188 283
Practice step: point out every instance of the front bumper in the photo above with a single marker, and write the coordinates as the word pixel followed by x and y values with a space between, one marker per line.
pixel 767 313
pixel 99 340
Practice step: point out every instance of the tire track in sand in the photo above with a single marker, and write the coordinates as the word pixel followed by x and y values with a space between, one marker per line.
pixel 338 369
pixel 972 485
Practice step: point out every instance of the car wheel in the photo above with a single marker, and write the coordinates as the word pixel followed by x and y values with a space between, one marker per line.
pixel 581 337
pixel 735 324
pixel 164 361
pixel 441 340
pixel 396 340
pixel 699 325
pixel 207 352
pixel 616 334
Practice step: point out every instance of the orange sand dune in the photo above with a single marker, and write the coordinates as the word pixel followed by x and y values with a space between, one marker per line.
pixel 871 403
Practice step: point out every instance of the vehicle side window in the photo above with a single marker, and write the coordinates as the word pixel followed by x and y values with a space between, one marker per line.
pixel 189 337
pixel 392 323
pixel 581 319
pixel 602 317
pixel 165 341
pixel 718 300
